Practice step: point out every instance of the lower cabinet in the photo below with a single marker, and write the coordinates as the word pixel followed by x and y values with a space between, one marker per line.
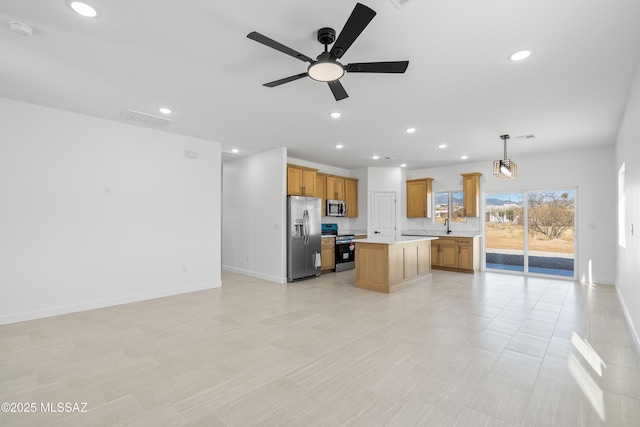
pixel 328 253
pixel 456 253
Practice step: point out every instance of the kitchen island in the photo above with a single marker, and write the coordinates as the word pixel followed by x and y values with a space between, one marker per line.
pixel 387 265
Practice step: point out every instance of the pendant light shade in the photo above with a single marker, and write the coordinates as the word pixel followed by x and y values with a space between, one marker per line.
pixel 505 168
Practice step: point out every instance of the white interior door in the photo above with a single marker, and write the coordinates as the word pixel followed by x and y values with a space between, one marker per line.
pixel 383 214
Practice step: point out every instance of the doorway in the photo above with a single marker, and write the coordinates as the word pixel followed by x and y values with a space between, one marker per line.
pixel 532 232
pixel 383 214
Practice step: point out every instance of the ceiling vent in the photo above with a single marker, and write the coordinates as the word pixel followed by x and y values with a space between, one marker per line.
pixel 400 3
pixel 145 119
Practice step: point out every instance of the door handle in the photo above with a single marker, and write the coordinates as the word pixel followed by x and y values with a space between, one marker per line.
pixel 377 232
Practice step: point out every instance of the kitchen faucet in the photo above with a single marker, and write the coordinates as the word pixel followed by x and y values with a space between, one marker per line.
pixel 446 224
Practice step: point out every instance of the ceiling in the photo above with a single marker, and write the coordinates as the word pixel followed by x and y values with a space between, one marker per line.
pixel 460 88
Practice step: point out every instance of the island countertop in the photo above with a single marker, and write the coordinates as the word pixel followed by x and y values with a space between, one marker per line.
pixel 394 241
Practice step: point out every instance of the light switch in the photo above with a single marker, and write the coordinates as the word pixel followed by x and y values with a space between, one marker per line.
pixel 107 190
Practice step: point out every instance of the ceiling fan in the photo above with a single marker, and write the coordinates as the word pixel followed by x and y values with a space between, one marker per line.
pixel 326 68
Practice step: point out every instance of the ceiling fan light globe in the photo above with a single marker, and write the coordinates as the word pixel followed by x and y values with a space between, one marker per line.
pixel 325 71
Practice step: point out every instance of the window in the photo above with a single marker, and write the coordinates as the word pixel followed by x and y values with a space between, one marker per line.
pixel 446 202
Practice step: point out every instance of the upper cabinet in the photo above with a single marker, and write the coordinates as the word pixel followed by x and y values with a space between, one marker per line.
pixel 301 181
pixel 471 189
pixel 419 198
pixel 335 187
pixel 351 196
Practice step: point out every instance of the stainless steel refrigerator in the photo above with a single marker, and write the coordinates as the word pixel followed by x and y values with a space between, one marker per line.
pixel 303 237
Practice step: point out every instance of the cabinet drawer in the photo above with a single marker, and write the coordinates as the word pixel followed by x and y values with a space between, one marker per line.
pixel 448 240
pixel 328 242
pixel 465 241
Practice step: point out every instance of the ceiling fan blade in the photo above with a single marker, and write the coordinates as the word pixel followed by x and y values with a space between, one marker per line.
pixel 378 67
pixel 357 22
pixel 285 80
pixel 278 46
pixel 338 90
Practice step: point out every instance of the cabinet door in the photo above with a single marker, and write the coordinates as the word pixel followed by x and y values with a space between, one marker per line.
pixel 449 254
pixel 351 197
pixel 465 257
pixel 308 183
pixel 331 188
pixel 435 253
pixel 339 188
pixel 294 181
pixel 327 254
pixel 335 188
pixel 471 190
pixel 419 198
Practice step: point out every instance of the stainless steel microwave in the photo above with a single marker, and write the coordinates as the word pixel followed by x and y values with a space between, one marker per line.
pixel 336 208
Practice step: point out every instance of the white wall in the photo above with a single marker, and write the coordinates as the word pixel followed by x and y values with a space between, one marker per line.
pixel 628 152
pixel 66 246
pixel 254 215
pixel 591 171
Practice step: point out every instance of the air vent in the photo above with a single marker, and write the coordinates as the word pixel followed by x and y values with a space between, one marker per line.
pixel 145 119
pixel 400 3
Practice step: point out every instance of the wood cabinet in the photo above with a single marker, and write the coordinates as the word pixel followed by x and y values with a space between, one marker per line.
pixel 335 187
pixel 456 253
pixel 471 190
pixel 351 196
pixel 419 198
pixel 301 181
pixel 328 253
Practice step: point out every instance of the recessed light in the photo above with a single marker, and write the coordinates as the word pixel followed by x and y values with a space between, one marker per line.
pixel 235 151
pixel 20 28
pixel 464 157
pixel 83 9
pixel 404 165
pixel 165 110
pixel 442 146
pixel 375 157
pixel 410 130
pixel 335 115
pixel 520 55
pixel 339 146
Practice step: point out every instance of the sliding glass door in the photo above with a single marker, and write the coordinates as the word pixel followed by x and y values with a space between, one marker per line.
pixel 531 232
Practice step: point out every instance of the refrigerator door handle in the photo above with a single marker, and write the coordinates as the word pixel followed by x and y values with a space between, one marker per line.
pixel 305 226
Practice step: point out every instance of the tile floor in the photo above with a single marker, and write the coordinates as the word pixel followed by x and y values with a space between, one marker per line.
pixel 488 349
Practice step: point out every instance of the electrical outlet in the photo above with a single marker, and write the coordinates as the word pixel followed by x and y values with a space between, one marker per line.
pixel 107 190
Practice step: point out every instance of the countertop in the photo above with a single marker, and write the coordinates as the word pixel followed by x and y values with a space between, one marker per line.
pixel 393 241
pixel 443 233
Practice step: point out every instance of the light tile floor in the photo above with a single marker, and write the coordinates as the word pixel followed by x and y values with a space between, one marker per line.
pixel 488 349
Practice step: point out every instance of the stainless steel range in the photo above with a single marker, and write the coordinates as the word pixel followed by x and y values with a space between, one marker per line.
pixel 345 248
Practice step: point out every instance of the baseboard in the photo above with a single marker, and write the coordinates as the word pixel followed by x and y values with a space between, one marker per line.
pixel 281 280
pixel 634 332
pixel 74 308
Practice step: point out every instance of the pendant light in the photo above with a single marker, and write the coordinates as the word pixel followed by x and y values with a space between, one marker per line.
pixel 506 168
